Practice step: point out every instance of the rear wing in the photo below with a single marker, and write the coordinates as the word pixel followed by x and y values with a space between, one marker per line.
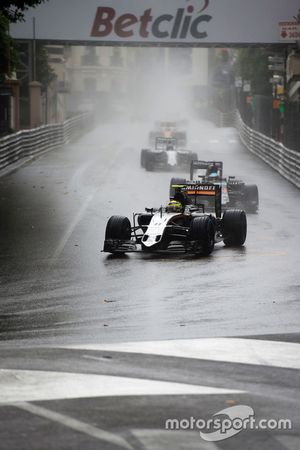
pixel 161 143
pixel 205 165
pixel 195 192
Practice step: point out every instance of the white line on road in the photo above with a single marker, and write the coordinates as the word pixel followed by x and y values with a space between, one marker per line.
pixel 235 350
pixel 288 441
pixel 68 233
pixel 95 358
pixel 36 385
pixel 74 424
pixel 157 439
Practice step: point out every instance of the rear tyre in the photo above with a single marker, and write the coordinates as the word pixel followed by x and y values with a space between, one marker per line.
pixel 194 157
pixel 234 227
pixel 143 157
pixel 251 198
pixel 181 138
pixel 152 137
pixel 118 227
pixel 149 162
pixel 202 230
pixel 175 181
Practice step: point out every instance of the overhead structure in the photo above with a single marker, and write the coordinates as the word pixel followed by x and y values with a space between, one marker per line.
pixel 155 22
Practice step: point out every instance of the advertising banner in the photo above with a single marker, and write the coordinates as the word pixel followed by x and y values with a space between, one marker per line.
pixel 144 22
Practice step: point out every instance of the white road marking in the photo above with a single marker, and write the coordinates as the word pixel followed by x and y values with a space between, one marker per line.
pixel 235 350
pixel 74 424
pixel 75 180
pixel 213 141
pixel 35 385
pixel 288 441
pixel 233 141
pixel 153 439
pixel 95 358
pixel 68 233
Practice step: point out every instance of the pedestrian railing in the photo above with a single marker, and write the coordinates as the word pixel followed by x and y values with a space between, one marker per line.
pixel 282 159
pixel 26 143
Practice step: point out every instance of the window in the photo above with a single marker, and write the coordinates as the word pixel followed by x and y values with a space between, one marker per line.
pixel 90 84
pixel 89 58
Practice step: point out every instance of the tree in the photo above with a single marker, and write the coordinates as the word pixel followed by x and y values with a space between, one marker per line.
pixel 11 12
pixel 252 64
pixel 8 54
pixel 44 72
pixel 14 10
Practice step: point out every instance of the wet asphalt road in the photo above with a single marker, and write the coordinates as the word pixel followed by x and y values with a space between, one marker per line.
pixel 57 287
pixel 59 291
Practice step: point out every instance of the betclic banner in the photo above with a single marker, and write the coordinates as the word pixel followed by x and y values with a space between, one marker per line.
pixel 143 22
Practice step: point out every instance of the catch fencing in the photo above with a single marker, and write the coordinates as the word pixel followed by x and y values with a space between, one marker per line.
pixel 28 143
pixel 274 153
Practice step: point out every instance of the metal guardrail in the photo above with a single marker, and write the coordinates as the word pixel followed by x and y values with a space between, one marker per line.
pixel 221 119
pixel 282 159
pixel 227 119
pixel 26 143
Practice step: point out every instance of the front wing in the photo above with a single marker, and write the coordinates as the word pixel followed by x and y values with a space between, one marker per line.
pixel 119 246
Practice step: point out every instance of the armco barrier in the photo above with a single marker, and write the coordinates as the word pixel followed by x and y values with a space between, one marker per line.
pixel 282 159
pixel 26 143
pixel 221 119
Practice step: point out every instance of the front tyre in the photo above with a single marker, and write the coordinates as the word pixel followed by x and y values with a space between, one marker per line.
pixel 117 235
pixel 234 227
pixel 202 231
pixel 118 227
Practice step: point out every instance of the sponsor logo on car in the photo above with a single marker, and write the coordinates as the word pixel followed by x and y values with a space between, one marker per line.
pixel 201 187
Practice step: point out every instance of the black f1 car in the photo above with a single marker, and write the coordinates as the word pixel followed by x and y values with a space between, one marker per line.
pixel 235 193
pixel 166 155
pixel 169 130
pixel 183 225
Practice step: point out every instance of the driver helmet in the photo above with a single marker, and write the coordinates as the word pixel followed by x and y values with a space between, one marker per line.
pixel 213 170
pixel 174 206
